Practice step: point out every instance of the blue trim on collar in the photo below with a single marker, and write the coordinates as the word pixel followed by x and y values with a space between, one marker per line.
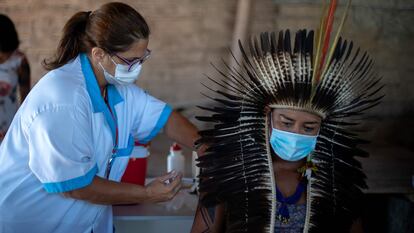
pixel 114 97
pixel 127 150
pixel 75 183
pixel 94 92
pixel 92 84
pixel 93 88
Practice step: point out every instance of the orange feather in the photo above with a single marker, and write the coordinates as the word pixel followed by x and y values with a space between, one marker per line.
pixel 327 33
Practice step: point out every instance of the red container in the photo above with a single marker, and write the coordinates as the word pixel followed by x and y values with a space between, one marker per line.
pixel 136 170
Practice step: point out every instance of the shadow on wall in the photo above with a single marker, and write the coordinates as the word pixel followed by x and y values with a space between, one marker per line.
pixel 395 131
pixel 388 214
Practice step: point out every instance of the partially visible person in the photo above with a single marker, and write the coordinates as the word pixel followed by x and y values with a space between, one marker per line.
pixel 14 74
pixel 292 136
pixel 283 150
pixel 70 141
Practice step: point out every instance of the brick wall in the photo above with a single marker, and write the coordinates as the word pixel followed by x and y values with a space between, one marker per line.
pixel 383 28
pixel 188 34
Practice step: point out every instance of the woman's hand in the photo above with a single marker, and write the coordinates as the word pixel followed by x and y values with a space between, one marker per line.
pixel 164 188
pixel 107 192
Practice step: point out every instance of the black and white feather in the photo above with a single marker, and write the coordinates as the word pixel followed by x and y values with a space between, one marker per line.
pixel 237 168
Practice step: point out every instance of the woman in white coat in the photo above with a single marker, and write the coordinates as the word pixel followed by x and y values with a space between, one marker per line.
pixel 69 143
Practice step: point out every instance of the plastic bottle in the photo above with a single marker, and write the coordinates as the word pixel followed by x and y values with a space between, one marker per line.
pixel 175 160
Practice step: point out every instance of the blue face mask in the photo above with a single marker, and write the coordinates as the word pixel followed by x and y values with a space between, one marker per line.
pixel 291 146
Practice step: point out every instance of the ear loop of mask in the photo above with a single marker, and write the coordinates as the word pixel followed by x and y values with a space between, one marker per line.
pixel 103 68
pixel 110 57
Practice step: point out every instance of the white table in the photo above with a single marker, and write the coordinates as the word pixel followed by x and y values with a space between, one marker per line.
pixel 176 215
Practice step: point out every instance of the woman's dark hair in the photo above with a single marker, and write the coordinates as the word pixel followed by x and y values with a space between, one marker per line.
pixel 9 41
pixel 114 27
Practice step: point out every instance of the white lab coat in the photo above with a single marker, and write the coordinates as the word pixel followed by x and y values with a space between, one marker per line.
pixel 60 139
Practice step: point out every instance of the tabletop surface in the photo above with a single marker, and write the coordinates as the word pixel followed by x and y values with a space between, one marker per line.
pixel 388 170
pixel 182 206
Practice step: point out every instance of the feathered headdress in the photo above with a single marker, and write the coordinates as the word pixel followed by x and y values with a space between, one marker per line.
pixel 335 82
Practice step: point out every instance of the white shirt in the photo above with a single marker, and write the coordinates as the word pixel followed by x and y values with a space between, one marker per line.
pixel 60 139
pixel 9 80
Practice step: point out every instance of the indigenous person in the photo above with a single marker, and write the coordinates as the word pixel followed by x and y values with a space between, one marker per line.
pixel 14 74
pixel 281 155
pixel 70 141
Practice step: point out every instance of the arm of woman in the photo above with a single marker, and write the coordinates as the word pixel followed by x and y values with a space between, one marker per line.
pixel 208 220
pixel 183 131
pixel 107 192
pixel 24 78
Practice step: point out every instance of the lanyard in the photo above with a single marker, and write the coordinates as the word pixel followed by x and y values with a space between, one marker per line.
pixel 283 211
pixel 115 137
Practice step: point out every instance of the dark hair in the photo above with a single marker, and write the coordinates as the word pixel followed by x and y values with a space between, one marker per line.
pixel 114 27
pixel 9 41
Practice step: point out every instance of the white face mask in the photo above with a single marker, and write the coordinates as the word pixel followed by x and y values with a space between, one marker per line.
pixel 122 75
